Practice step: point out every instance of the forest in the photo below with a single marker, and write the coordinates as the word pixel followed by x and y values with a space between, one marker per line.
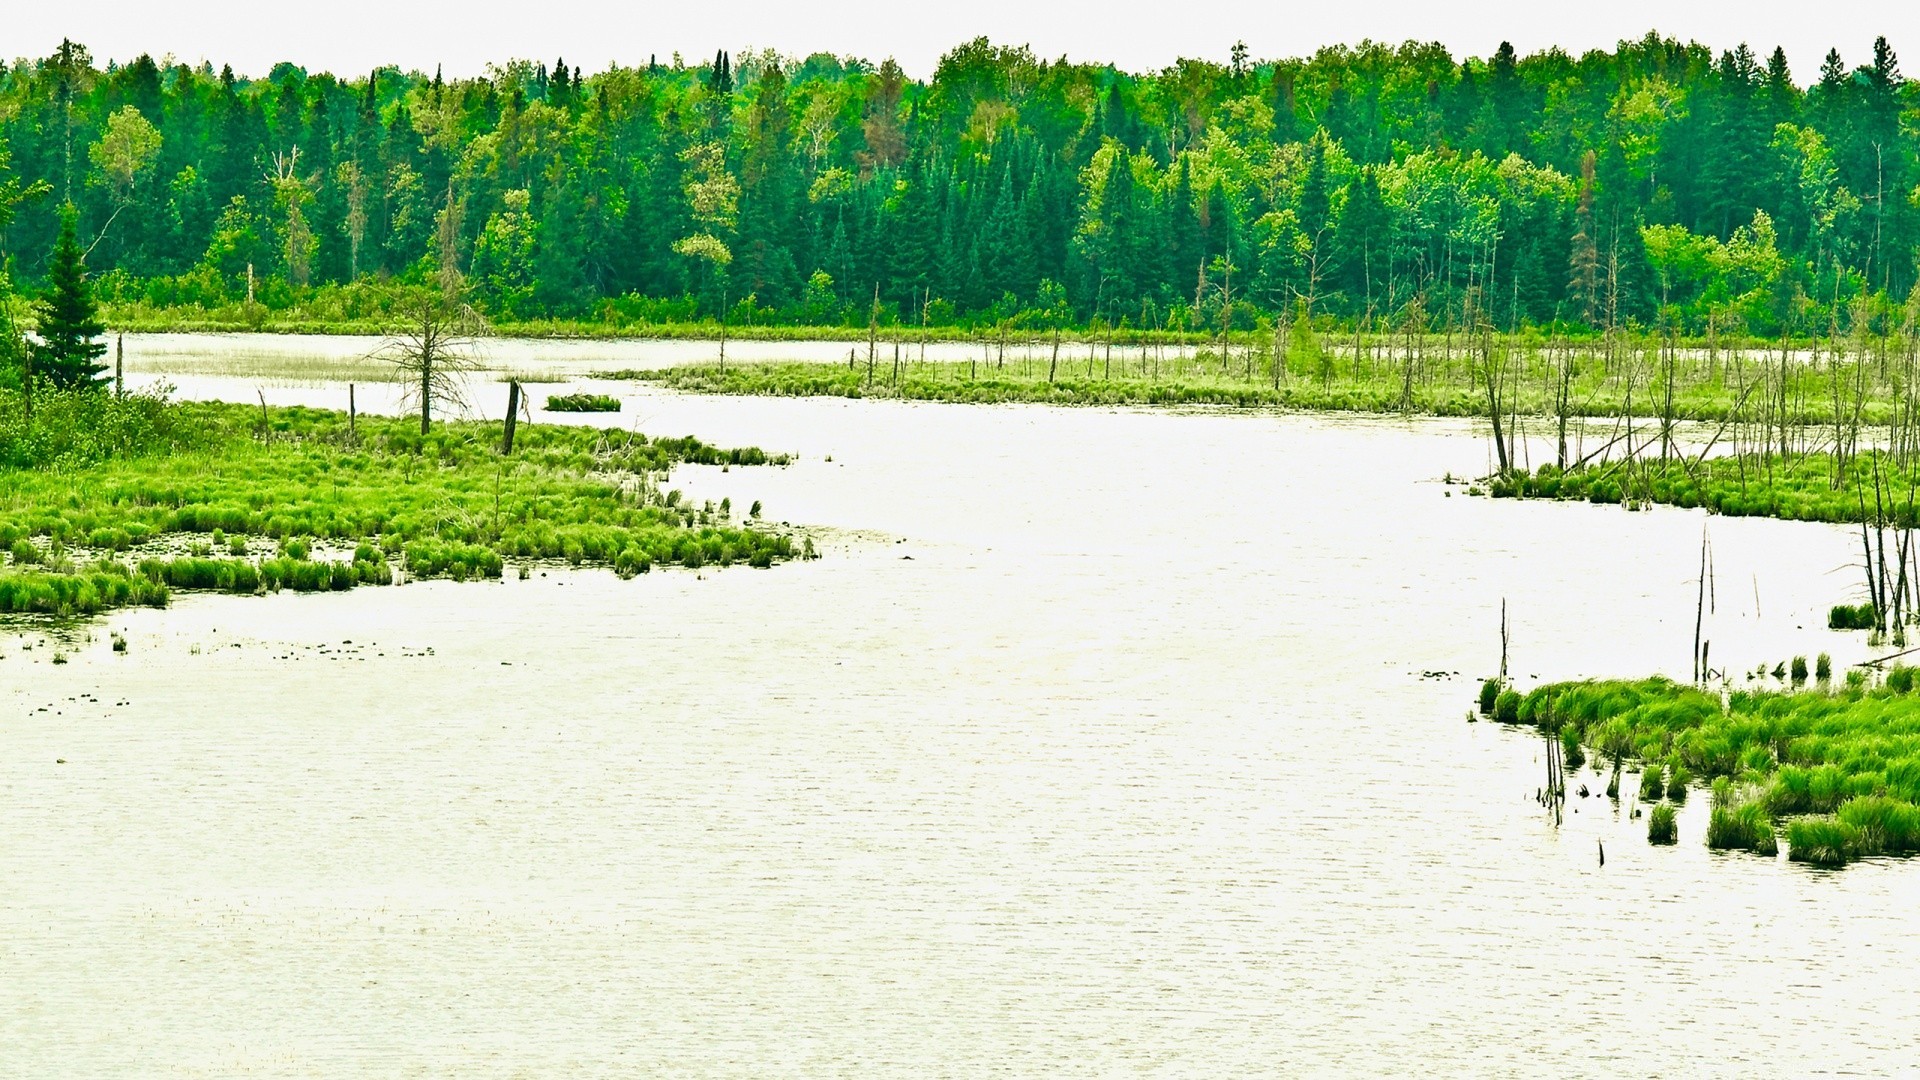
pixel 1661 184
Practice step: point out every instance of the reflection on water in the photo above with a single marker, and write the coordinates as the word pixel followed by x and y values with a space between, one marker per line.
pixel 1120 742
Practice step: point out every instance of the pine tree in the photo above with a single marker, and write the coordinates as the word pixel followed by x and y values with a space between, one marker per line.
pixel 69 322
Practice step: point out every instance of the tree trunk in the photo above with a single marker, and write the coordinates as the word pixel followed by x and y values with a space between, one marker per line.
pixel 513 416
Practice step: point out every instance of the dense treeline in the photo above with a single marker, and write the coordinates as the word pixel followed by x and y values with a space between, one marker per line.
pixel 1657 184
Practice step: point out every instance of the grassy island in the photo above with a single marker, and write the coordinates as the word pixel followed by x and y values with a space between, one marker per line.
pixel 1870 486
pixel 114 501
pixel 582 403
pixel 1836 768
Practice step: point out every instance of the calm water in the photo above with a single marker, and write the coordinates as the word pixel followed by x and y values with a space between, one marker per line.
pixel 1100 742
pixel 304 359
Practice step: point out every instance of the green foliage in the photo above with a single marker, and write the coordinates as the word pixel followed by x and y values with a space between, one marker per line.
pixel 79 592
pixel 1799 669
pixel 69 327
pixel 1823 668
pixel 75 430
pixel 1004 186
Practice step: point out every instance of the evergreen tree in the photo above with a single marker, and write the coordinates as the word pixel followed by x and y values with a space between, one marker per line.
pixel 68 352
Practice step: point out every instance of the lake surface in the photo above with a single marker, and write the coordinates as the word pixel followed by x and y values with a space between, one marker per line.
pixel 311 359
pixel 1099 742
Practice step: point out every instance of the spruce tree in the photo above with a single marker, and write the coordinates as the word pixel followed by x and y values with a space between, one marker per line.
pixel 69 321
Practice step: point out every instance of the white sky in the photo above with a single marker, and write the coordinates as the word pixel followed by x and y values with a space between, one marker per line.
pixel 351 36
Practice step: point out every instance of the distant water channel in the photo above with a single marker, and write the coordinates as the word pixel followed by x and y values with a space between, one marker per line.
pixel 1100 742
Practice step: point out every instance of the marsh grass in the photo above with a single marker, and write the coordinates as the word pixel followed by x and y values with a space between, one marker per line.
pixel 1822 841
pixel 1653 783
pixel 1663 825
pixel 1489 695
pixel 1848 754
pixel 583 403
pixel 1677 780
pixel 1570 750
pixel 446 504
pixel 1813 486
pixel 1506 707
pixel 1851 617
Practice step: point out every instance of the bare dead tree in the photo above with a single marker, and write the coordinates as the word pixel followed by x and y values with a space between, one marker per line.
pixel 432 348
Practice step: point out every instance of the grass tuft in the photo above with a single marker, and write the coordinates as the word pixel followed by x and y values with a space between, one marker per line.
pixel 1662 825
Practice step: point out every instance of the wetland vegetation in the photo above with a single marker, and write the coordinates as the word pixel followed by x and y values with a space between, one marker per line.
pixel 109 501
pixel 1838 768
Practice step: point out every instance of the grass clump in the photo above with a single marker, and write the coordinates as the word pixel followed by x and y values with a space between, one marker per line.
pixel 1506 707
pixel 583 403
pixel 98 588
pixel 1851 617
pixel 1822 841
pixel 1677 780
pixel 1653 783
pixel 1662 825
pixel 1571 752
pixel 1489 696
pixel 1741 826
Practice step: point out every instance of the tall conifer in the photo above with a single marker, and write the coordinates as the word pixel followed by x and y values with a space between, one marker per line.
pixel 69 321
